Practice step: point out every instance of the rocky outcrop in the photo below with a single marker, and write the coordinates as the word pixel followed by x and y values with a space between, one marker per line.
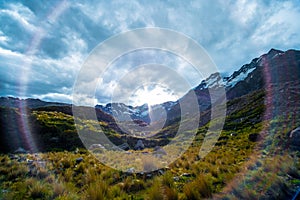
pixel 294 139
pixel 139 145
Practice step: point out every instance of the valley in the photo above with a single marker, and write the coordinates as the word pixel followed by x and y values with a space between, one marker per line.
pixel 255 157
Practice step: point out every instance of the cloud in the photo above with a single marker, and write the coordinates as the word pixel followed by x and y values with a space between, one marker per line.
pixel 21 15
pixel 3 39
pixel 44 44
pixel 55 97
pixel 138 69
pixel 151 94
pixel 244 11
pixel 280 27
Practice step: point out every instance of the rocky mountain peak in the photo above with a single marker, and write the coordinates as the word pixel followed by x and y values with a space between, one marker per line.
pixel 274 52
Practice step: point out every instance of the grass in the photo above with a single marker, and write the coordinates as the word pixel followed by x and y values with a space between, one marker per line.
pixel 237 167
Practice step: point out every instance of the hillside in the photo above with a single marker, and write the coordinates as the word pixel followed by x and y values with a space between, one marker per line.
pixel 255 157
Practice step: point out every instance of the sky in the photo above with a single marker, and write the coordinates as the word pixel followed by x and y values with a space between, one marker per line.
pixel 44 44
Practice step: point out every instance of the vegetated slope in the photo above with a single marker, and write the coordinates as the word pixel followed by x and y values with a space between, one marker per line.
pixel 52 128
pixel 275 67
pixel 29 103
pixel 80 175
pixel 47 128
pixel 189 177
pixel 256 156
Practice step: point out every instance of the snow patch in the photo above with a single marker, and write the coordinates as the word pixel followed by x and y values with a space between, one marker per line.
pixel 239 78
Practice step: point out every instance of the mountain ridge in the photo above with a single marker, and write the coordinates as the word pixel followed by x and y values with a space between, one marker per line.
pixel 249 77
pixel 259 141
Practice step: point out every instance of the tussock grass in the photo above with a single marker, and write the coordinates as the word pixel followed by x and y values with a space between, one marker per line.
pixel 247 169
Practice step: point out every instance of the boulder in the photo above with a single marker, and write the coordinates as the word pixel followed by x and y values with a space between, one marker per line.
pixel 96 146
pixel 253 137
pixel 29 161
pixel 233 134
pixel 294 139
pixel 54 139
pixel 159 152
pixel 124 146
pixel 186 175
pixel 139 145
pixel 130 170
pixel 79 160
pixel 20 150
pixel 160 172
pixel 149 175
pixel 223 138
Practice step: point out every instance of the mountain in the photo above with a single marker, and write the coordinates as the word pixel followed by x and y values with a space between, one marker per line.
pixel 275 67
pixel 259 142
pixel 282 66
pixel 123 112
pixel 276 72
pixel 13 102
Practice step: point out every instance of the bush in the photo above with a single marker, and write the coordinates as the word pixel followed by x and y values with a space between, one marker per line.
pixel 17 171
pixel 133 185
pixel 167 180
pixel 199 188
pixel 170 194
pixel 97 191
pixel 155 192
pixel 39 190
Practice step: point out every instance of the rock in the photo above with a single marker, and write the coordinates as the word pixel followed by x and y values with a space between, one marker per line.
pixel 96 146
pixel 223 138
pixel 253 137
pixel 124 146
pixel 160 151
pixel 20 150
pixel 149 175
pixel 186 175
pixel 21 159
pixel 79 160
pixel 139 145
pixel 130 170
pixel 14 157
pixel 176 178
pixel 41 163
pixel 29 161
pixel 161 172
pixel 233 134
pixel 294 132
pixel 294 139
pixel 4 191
pixel 54 139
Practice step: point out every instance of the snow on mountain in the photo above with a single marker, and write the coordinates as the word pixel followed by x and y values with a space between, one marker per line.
pixel 235 85
pixel 124 112
pixel 214 80
pixel 241 76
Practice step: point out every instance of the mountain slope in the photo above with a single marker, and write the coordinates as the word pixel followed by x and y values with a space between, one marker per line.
pixel 276 74
pixel 275 67
pixel 255 157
